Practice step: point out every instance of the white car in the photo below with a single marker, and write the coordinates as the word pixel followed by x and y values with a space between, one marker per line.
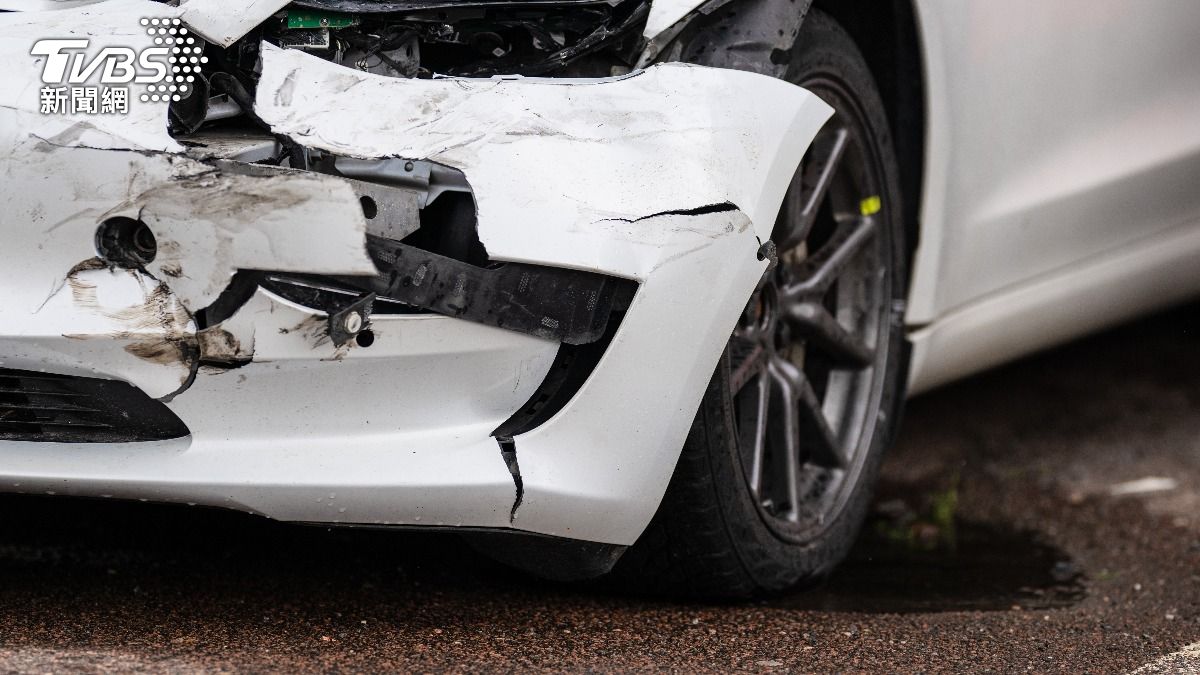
pixel 631 283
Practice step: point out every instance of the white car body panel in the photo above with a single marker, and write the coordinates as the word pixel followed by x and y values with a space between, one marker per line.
pixel 1062 160
pixel 224 21
pixel 339 425
pixel 513 137
pixel 502 133
pixel 1060 137
pixel 666 13
pixel 1084 298
pixel 42 5
pixel 341 446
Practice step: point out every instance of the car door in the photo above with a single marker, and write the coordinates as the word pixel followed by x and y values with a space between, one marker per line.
pixel 1063 139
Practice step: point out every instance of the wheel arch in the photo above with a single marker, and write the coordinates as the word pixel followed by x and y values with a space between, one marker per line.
pixel 758 36
pixel 887 35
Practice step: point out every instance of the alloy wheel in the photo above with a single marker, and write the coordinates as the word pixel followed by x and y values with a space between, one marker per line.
pixel 808 355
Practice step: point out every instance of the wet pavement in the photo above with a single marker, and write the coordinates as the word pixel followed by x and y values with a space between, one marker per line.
pixel 1015 530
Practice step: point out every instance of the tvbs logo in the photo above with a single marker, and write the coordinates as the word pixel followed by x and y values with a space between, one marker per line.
pixel 116 65
pixel 167 70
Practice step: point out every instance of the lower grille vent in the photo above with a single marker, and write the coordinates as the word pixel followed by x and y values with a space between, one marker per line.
pixel 67 409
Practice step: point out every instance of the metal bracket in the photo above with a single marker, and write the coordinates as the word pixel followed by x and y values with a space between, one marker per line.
pixel 767 252
pixel 557 304
pixel 345 325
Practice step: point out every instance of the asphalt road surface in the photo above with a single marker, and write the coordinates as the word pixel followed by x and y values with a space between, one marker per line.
pixel 1043 517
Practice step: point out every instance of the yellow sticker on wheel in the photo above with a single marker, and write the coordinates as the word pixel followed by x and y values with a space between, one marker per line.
pixel 871 205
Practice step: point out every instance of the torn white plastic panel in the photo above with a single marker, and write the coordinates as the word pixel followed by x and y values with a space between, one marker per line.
pixel 106 319
pixel 107 24
pixel 64 311
pixel 65 174
pixel 54 200
pixel 598 469
pixel 207 225
pixel 224 21
pixel 238 146
pixel 423 374
pixel 211 224
pixel 667 13
pixel 394 434
pixel 603 175
pixel 562 168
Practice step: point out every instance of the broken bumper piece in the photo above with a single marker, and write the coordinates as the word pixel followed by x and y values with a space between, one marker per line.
pixel 667 181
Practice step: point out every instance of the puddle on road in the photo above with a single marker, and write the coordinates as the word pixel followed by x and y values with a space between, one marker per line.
pixel 909 560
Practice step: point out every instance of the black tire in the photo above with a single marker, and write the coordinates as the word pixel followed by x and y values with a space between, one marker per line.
pixel 716 536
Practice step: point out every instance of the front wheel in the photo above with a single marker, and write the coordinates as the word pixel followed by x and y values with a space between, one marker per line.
pixel 777 472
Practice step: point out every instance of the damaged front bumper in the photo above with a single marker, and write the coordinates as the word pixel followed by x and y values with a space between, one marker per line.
pixel 667 180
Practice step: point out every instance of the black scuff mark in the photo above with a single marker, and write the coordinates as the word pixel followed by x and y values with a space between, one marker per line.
pixel 48 145
pixel 156 312
pixel 187 382
pixel 315 330
pixel 719 207
pixel 89 264
pixel 221 349
pixel 213 347
pixel 508 450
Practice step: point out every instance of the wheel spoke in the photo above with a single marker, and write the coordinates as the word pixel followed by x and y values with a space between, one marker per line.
pixel 818 272
pixel 815 324
pixel 810 185
pixel 748 359
pixel 809 417
pixel 826 449
pixel 784 381
pixel 759 449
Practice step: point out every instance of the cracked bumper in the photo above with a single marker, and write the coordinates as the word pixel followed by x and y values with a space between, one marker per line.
pixel 595 175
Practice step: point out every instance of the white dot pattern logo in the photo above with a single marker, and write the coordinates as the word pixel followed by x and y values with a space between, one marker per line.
pixel 184 50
